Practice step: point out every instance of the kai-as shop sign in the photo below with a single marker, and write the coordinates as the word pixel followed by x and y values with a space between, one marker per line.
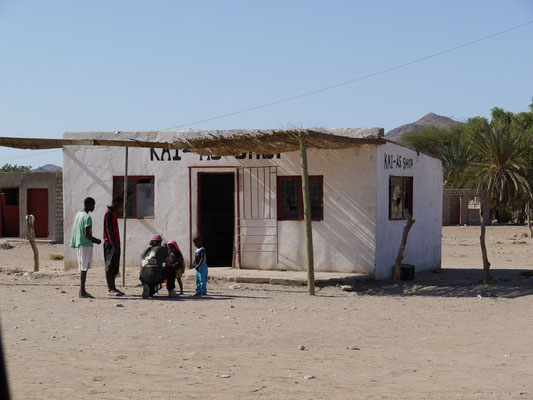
pixel 396 161
pixel 175 155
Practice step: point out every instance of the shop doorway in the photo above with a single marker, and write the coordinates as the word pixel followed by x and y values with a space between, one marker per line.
pixel 216 216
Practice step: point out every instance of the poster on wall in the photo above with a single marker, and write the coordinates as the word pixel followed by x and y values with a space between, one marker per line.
pixel 396 198
pixel 400 196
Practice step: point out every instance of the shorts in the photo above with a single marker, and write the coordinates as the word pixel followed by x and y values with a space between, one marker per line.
pixel 179 273
pixel 85 258
pixel 111 259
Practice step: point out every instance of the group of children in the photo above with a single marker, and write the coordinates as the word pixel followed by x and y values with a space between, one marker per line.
pixel 159 263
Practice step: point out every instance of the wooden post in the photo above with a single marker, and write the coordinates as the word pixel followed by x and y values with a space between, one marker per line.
pixel 399 257
pixel 486 263
pixel 460 210
pixel 124 215
pixel 528 211
pixel 30 220
pixel 307 216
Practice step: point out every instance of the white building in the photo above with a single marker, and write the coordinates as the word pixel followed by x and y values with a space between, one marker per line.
pixel 248 206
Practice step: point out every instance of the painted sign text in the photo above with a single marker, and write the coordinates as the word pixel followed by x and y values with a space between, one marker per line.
pixel 175 155
pixel 397 161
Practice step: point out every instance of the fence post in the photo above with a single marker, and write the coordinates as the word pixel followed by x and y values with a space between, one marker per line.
pixel 30 220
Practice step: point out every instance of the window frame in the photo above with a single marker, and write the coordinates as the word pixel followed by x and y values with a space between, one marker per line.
pixel 300 205
pixel 117 192
pixel 407 205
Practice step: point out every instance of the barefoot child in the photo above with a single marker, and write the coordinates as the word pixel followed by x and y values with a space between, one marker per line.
pixel 200 264
pixel 82 240
pixel 176 261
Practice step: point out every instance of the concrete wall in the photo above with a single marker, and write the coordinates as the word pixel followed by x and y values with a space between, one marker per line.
pixel 89 171
pixel 33 180
pixel 424 242
pixel 59 209
pixel 345 240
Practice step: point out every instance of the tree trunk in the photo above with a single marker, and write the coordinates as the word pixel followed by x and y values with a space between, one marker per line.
pixel 522 214
pixel 502 213
pixel 30 219
pixel 528 213
pixel 486 263
pixel 399 257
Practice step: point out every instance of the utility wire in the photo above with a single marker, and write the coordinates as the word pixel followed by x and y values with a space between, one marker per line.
pixel 30 155
pixel 355 79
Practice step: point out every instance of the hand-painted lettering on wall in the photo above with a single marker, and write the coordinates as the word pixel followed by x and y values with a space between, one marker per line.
pixel 174 155
pixel 397 161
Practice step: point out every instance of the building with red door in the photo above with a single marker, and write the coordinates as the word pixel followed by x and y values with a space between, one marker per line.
pixel 36 193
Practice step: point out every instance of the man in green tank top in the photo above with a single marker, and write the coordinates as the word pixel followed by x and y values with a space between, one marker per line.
pixel 82 240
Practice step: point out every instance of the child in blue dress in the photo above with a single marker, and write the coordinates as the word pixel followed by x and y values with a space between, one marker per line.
pixel 200 265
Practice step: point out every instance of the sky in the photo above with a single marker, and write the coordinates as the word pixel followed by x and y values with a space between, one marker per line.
pixel 121 65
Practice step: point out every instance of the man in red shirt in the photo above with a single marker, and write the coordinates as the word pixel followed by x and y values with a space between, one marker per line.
pixel 112 246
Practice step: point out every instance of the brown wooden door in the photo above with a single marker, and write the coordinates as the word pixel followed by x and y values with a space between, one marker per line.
pixel 11 212
pixel 38 207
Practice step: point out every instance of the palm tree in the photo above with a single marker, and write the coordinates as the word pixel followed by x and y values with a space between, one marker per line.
pixel 455 158
pixel 500 167
pixel 500 163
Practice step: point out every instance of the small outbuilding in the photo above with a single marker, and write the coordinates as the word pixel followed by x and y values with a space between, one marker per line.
pixel 36 193
pixel 461 206
pixel 242 190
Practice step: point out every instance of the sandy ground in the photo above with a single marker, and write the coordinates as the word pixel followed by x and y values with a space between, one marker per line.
pixel 442 336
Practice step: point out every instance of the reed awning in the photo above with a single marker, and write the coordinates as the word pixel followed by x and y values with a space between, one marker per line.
pixel 217 143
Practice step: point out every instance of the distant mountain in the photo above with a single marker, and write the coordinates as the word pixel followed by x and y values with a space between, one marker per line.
pixel 427 120
pixel 47 168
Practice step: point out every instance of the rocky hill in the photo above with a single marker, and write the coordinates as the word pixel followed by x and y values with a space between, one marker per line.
pixel 427 120
pixel 47 168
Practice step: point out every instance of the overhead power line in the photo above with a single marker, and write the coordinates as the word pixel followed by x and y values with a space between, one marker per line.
pixel 30 155
pixel 355 79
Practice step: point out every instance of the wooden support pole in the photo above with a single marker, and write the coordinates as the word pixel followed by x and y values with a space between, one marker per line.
pixel 124 215
pixel 486 263
pixel 528 213
pixel 30 220
pixel 307 216
pixel 399 257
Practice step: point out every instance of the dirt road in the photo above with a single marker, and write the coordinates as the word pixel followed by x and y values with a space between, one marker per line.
pixel 442 336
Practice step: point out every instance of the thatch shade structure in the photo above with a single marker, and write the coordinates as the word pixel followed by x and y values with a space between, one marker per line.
pixel 221 143
pixel 270 142
pixel 224 143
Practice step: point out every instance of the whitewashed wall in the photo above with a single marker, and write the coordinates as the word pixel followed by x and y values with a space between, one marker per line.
pixel 89 171
pixel 347 240
pixel 424 242
pixel 343 241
